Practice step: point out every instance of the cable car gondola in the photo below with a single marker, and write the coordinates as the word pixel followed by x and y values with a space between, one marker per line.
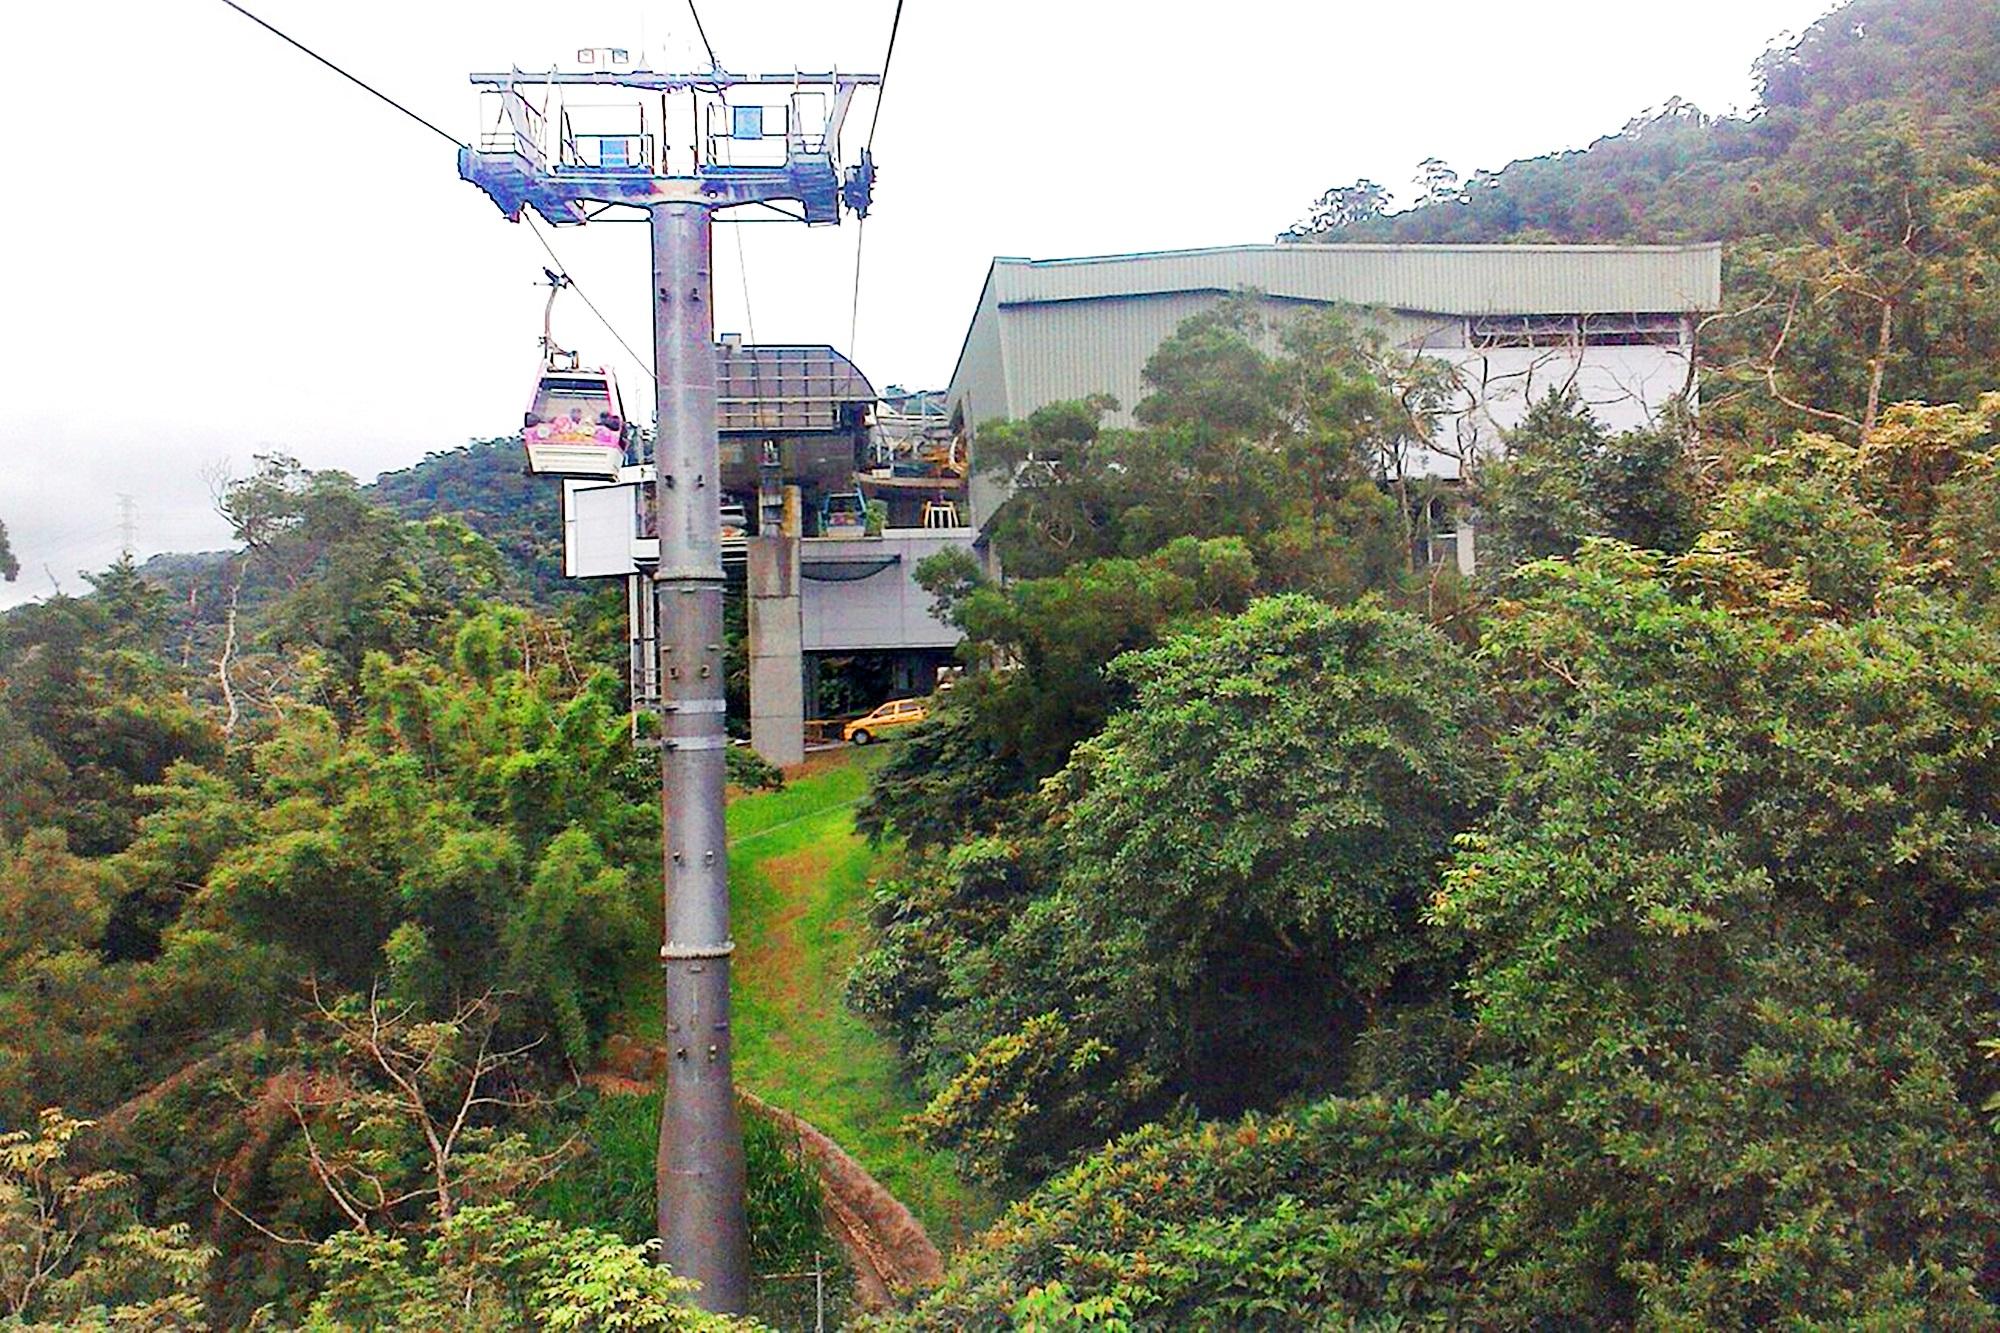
pixel 576 425
pixel 843 514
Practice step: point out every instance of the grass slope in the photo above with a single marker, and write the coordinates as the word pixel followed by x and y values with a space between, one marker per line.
pixel 798 880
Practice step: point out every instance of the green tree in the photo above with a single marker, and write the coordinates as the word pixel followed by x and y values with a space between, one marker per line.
pixel 74 1253
pixel 578 921
pixel 92 713
pixel 1696 891
pixel 1252 838
pixel 1834 549
pixel 333 570
pixel 1561 477
pixel 1967 533
pixel 1225 893
pixel 1280 437
pixel 1729 929
pixel 1046 642
pixel 497 1267
pixel 1340 207
pixel 60 1006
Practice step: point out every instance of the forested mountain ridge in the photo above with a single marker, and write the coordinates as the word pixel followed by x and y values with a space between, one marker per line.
pixel 469 519
pixel 1860 204
pixel 1925 70
pixel 485 484
pixel 482 484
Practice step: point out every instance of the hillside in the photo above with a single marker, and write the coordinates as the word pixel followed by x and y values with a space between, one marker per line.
pixel 463 521
pixel 486 486
pixel 1607 944
pixel 1925 73
pixel 800 881
pixel 482 484
pixel 1297 933
pixel 1858 200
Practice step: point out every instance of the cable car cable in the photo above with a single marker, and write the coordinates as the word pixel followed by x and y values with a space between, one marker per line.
pixel 895 22
pixel 713 63
pixel 854 310
pixel 861 226
pixel 359 83
pixel 562 271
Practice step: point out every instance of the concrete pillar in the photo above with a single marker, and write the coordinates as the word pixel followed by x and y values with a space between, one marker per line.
pixel 777 668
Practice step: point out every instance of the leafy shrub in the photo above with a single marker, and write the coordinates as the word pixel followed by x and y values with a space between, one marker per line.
pixel 752 771
pixel 1732 932
pixel 496 1268
pixel 610 1186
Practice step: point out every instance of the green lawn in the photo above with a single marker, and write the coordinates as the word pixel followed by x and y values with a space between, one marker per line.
pixel 798 880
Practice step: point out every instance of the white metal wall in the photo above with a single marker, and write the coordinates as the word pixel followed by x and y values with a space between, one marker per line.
pixel 978 390
pixel 1059 350
pixel 1625 388
pixel 885 610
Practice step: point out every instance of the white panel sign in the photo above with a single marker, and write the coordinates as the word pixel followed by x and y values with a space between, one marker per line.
pixel 600 524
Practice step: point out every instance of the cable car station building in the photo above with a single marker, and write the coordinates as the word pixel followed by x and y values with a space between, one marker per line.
pixel 1514 321
pixel 801 450
pixel 808 446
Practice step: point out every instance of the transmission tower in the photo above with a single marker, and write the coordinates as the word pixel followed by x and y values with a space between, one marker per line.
pixel 574 144
pixel 128 524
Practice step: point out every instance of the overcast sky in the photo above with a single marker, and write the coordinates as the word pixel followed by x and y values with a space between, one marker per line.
pixel 219 248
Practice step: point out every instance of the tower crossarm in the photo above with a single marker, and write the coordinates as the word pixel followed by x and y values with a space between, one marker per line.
pixel 564 141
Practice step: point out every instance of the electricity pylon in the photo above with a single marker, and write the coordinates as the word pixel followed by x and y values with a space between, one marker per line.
pixel 750 140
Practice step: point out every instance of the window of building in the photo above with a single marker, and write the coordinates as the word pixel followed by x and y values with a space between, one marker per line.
pixel 1526 331
pixel 1634 330
pixel 1602 330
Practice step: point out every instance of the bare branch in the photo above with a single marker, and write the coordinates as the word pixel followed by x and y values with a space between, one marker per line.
pixel 215 1188
pixel 1771 373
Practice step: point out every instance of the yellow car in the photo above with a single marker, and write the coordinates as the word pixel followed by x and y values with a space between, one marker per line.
pixel 895 713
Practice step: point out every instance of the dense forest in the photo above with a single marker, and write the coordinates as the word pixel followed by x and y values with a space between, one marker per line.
pixel 319 934
pixel 1298 934
pixel 1316 941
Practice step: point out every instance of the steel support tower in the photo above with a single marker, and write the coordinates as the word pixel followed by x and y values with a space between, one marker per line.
pixel 751 140
pixel 700 1176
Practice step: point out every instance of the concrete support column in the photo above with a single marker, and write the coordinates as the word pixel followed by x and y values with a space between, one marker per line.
pixel 777 667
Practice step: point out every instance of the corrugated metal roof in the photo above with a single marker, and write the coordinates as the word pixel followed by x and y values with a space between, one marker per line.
pixel 1445 279
pixel 763 387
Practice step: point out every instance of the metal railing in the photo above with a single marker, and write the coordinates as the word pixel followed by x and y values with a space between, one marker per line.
pixel 643 633
pixel 820 1300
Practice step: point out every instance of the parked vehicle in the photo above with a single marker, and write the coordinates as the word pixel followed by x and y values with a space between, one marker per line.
pixel 889 716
